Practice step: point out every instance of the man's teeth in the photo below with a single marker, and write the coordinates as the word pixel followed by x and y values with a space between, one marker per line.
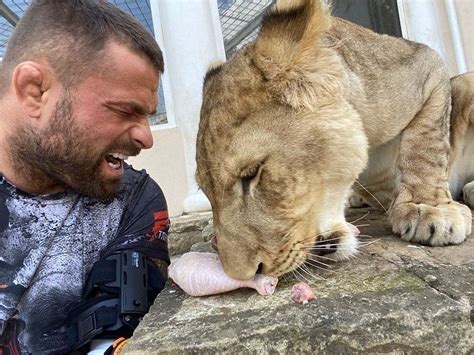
pixel 115 160
pixel 115 165
pixel 119 156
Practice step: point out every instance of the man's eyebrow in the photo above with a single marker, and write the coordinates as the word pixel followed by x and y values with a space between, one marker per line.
pixel 131 106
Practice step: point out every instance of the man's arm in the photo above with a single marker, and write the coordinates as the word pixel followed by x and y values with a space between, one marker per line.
pixel 145 223
pixel 139 251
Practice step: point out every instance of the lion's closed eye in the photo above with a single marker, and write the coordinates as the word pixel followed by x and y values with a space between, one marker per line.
pixel 250 178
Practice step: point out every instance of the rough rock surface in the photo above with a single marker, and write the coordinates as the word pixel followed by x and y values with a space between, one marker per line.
pixel 393 297
pixel 190 232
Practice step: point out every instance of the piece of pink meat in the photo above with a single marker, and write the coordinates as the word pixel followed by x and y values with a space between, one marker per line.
pixel 201 274
pixel 302 293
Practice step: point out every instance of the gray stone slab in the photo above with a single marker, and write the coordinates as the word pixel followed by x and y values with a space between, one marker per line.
pixel 393 297
pixel 188 230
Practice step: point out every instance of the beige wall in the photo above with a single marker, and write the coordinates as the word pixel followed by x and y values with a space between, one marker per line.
pixel 465 13
pixel 165 163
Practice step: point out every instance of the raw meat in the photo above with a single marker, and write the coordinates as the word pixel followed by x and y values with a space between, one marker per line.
pixel 302 293
pixel 201 274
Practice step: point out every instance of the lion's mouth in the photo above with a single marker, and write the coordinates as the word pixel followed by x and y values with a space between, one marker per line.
pixel 325 247
pixel 341 245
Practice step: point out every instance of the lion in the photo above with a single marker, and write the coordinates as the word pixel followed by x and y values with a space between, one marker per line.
pixel 317 106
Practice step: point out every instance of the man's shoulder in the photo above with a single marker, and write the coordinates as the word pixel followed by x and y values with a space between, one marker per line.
pixel 139 182
pixel 131 175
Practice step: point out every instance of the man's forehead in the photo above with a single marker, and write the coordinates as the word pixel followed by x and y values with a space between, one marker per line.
pixel 119 56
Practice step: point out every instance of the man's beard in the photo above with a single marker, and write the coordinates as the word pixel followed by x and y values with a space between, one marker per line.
pixel 63 155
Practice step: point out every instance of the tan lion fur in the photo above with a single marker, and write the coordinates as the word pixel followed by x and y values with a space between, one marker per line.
pixel 292 120
pixel 461 175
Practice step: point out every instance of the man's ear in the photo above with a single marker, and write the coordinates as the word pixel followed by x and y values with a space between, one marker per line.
pixel 31 83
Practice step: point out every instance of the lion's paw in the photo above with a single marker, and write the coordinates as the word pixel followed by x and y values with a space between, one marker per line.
pixel 356 201
pixel 468 194
pixel 436 226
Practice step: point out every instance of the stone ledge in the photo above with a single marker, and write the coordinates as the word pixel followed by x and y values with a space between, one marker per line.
pixel 392 298
pixel 189 230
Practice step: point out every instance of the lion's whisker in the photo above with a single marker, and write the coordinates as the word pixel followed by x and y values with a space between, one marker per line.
pixel 320 247
pixel 300 274
pixel 364 244
pixel 360 251
pixel 309 257
pixel 293 274
pixel 312 275
pixel 375 198
pixel 366 236
pixel 323 257
pixel 286 277
pixel 362 225
pixel 358 219
pixel 322 234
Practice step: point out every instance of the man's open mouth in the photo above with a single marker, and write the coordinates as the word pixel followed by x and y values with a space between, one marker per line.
pixel 115 160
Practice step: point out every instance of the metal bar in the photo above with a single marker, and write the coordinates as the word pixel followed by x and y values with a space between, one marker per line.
pixel 8 14
pixel 245 31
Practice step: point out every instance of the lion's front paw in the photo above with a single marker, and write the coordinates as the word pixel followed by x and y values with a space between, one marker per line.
pixel 441 225
pixel 468 194
pixel 356 201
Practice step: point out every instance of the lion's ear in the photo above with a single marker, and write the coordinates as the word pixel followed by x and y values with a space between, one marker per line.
pixel 290 53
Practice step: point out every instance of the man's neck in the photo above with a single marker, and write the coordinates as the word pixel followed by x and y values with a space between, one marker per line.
pixel 31 184
pixel 20 177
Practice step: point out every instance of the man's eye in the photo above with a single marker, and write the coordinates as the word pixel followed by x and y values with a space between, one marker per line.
pixel 123 113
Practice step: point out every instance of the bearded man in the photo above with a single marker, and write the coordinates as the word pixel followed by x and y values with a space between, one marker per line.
pixel 77 83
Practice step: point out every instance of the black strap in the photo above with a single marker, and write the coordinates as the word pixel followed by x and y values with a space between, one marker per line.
pixel 131 283
pixel 105 277
pixel 91 319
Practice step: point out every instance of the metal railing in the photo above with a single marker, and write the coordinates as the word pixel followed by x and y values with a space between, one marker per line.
pixel 240 20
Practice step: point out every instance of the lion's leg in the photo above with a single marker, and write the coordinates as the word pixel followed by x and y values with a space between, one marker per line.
pixel 356 200
pixel 461 178
pixel 375 185
pixel 468 194
pixel 423 210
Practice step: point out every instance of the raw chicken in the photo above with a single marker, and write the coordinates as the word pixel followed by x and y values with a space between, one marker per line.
pixel 302 293
pixel 201 274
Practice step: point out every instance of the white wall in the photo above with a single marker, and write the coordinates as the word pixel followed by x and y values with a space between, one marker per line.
pixel 444 25
pixel 165 162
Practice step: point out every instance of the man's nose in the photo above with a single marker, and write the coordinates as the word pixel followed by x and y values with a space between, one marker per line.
pixel 141 135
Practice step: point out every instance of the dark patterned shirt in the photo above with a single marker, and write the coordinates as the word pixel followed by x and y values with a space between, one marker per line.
pixel 49 243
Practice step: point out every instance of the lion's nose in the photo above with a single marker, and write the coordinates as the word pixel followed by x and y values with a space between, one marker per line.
pixel 239 269
pixel 239 259
pixel 238 262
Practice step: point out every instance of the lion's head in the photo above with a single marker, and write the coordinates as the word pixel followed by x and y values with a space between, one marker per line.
pixel 278 146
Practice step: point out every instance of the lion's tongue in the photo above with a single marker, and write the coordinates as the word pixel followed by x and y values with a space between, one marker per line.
pixel 353 229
